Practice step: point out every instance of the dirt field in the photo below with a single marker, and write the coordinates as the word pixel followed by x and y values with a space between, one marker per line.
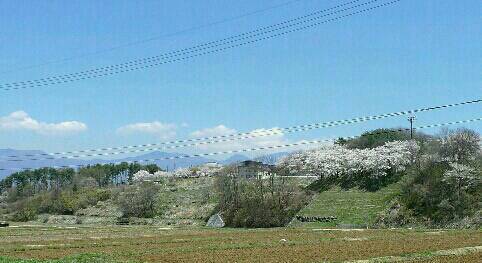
pixel 154 244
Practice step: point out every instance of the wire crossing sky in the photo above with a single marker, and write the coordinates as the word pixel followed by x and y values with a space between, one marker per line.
pixel 277 73
pixel 220 45
pixel 225 138
pixel 301 143
pixel 154 38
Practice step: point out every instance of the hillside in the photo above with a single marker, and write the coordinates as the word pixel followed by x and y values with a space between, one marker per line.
pixel 352 208
pixel 186 202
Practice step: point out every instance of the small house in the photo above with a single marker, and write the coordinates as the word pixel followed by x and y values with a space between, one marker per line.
pixel 252 169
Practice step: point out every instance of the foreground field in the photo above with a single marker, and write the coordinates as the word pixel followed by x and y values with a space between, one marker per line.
pixel 154 244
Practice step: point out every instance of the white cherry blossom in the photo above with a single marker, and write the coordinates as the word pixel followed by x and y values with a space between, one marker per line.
pixel 337 161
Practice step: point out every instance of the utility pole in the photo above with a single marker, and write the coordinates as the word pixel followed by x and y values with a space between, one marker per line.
pixel 411 119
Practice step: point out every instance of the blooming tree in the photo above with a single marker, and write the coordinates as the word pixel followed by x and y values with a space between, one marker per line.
pixel 461 145
pixel 335 161
pixel 182 173
pixel 142 176
pixel 207 170
pixel 462 176
pixel 160 174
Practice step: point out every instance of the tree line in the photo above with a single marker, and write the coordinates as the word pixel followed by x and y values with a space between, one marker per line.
pixel 31 182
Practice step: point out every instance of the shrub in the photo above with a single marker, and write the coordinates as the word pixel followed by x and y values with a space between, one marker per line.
pixel 65 202
pixel 442 192
pixel 27 213
pixel 90 197
pixel 139 201
pixel 261 202
pixel 375 138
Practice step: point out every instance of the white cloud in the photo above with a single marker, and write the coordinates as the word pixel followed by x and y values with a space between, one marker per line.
pixel 272 137
pixel 20 120
pixel 214 131
pixel 162 130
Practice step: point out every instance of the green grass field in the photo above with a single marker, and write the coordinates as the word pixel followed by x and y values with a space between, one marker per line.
pixel 352 207
pixel 154 244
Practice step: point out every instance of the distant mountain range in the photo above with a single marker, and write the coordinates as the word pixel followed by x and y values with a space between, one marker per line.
pixel 29 157
pixel 171 164
pixel 271 158
pixel 236 158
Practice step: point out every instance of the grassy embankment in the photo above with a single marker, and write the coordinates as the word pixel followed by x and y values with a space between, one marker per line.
pixel 353 208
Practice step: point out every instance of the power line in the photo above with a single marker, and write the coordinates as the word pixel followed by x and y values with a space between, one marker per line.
pixel 134 43
pixel 224 138
pixel 231 39
pixel 181 51
pixel 120 69
pixel 85 74
pixel 302 143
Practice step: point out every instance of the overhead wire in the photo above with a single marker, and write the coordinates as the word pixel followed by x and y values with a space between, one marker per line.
pixel 142 41
pixel 301 143
pixel 220 138
pixel 166 55
pixel 121 68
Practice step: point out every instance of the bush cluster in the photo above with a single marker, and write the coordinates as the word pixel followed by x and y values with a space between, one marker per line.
pixel 439 194
pixel 443 188
pixel 63 202
pixel 260 202
pixel 139 200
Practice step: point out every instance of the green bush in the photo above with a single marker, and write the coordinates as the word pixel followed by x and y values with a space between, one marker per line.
pixel 65 202
pixel 257 203
pixel 25 214
pixel 369 183
pixel 375 138
pixel 90 197
pixel 139 201
pixel 437 193
pixel 361 181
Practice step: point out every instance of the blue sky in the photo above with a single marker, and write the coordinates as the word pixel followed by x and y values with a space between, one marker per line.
pixel 409 55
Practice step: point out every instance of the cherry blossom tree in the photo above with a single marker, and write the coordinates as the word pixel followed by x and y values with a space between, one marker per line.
pixel 182 173
pixel 337 162
pixel 142 176
pixel 207 170
pixel 461 145
pixel 461 176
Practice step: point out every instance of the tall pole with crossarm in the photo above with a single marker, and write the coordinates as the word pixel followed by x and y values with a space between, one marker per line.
pixel 411 119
